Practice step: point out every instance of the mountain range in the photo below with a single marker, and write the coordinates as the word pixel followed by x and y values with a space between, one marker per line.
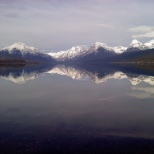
pixel 136 52
pixel 101 52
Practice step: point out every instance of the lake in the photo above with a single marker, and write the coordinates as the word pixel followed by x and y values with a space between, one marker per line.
pixel 76 109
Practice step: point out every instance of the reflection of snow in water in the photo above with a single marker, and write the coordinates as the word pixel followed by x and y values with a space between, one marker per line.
pixel 75 73
pixel 142 92
pixel 22 78
pixel 82 74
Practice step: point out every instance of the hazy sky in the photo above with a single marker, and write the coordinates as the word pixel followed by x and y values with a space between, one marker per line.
pixel 60 24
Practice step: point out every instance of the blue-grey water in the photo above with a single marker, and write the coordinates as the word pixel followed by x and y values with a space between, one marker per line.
pixel 69 110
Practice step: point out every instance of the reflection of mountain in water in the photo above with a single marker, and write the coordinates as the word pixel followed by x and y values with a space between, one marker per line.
pixel 98 73
pixel 22 78
pixel 72 72
pixel 102 74
pixel 21 74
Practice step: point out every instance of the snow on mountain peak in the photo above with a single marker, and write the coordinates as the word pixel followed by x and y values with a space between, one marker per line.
pixel 76 51
pixel 70 53
pixel 135 43
pixel 119 49
pixel 73 48
pixel 98 45
pixel 150 44
pixel 20 46
pixel 79 48
pixel 151 41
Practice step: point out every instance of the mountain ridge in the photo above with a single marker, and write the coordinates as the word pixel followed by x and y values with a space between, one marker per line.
pixel 20 53
pixel 72 53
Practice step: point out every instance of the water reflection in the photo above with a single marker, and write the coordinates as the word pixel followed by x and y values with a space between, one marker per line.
pixel 22 74
pixel 59 114
pixel 142 92
pixel 101 75
pixel 98 74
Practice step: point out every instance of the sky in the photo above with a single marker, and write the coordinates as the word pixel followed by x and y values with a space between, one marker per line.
pixel 53 25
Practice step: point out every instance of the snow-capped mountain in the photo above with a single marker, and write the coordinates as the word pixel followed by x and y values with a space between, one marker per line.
pixel 150 44
pixel 116 49
pixel 20 47
pixel 136 45
pixel 98 47
pixel 98 52
pixel 69 54
pixel 20 51
pixel 119 49
pixel 79 74
pixel 79 51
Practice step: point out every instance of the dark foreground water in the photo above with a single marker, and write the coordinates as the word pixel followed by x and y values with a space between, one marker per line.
pixel 72 110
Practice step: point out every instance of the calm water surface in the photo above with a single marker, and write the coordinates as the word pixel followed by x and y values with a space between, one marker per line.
pixel 53 113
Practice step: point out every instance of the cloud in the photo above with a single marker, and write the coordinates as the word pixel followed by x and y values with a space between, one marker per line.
pixel 142 31
pixel 146 35
pixel 67 23
pixel 106 26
